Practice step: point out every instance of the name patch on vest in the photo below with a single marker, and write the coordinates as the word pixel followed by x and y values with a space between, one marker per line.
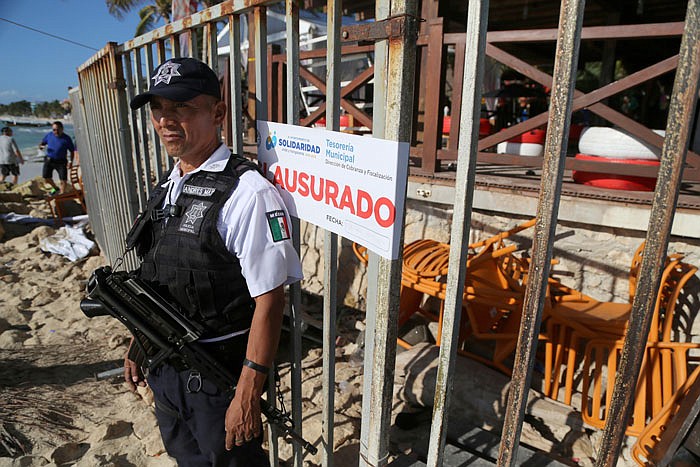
pixel 277 222
pixel 194 190
pixel 194 216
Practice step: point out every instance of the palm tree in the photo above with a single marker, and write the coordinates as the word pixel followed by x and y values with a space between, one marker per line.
pixel 150 14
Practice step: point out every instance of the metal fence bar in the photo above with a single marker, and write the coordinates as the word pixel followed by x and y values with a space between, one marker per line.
pixel 293 89
pixel 87 169
pixel 212 58
pixel 102 82
pixel 142 125
pixel 91 162
pixel 135 146
pixel 330 239
pixel 382 9
pixel 234 61
pixel 175 46
pixel 95 125
pixel 194 21
pixel 192 43
pixel 261 97
pixel 673 153
pixel 153 138
pixel 120 130
pixel 474 53
pixel 563 86
pixel 110 83
pixel 160 49
pixel 399 102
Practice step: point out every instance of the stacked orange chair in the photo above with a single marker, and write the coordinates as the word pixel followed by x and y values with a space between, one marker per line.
pixel 576 317
pixel 577 320
pixel 493 294
pixel 645 450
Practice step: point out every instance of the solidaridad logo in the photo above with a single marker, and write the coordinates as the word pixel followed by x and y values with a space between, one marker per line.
pixel 271 141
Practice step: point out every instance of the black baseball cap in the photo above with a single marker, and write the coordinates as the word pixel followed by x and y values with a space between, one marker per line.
pixel 180 79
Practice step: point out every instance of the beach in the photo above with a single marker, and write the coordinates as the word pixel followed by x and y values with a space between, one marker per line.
pixel 58 407
pixel 28 139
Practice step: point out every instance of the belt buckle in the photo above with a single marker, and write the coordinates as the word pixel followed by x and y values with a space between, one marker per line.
pixel 194 382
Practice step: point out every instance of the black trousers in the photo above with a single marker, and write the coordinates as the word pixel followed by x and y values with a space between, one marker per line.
pixel 192 423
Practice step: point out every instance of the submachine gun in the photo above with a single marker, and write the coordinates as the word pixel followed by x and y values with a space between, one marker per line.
pixel 162 332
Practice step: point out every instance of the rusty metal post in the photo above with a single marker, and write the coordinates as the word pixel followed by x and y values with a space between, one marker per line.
pixel 133 121
pixel 474 53
pixel 330 239
pixel 142 120
pixel 260 44
pixel 213 49
pixel 673 153
pixel 387 273
pixel 153 138
pixel 293 89
pixel 236 103
pixel 175 46
pixel 563 87
pixel 381 51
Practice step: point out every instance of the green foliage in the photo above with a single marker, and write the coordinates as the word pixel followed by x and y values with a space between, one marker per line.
pixel 53 109
pixel 19 108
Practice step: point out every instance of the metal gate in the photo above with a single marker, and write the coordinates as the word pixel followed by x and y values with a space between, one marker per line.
pixel 121 159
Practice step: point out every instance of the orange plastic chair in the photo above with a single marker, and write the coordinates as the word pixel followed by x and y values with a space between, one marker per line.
pixel 493 300
pixel 644 450
pixel 575 317
pixel 664 371
pixel 637 264
pixel 56 202
pixel 425 266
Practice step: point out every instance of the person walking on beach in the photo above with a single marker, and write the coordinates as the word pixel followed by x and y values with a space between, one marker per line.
pixel 59 156
pixel 10 156
pixel 214 239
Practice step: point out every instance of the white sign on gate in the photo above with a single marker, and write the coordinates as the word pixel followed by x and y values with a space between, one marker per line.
pixel 348 184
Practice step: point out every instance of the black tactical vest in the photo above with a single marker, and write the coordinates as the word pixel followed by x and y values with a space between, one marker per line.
pixel 184 256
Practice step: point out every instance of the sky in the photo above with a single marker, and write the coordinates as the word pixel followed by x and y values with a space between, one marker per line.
pixel 40 68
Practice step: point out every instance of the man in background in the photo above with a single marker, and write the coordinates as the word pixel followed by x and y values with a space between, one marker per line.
pixel 59 156
pixel 10 156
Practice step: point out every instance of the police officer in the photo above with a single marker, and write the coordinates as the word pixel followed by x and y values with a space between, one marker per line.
pixel 215 239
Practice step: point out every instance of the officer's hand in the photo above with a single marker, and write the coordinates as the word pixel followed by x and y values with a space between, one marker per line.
pixel 243 422
pixel 132 373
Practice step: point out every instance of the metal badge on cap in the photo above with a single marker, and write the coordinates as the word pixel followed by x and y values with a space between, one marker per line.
pixel 165 73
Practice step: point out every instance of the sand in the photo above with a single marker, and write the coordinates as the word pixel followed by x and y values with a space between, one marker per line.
pixel 53 408
pixel 55 411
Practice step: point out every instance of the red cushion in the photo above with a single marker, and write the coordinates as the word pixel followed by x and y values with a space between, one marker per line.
pixel 533 136
pixel 614 181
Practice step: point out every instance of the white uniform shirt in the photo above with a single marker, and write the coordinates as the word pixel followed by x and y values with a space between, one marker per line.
pixel 247 224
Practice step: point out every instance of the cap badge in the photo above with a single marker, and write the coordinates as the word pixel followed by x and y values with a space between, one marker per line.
pixel 166 71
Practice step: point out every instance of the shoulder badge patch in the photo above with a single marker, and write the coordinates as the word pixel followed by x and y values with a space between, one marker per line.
pixel 277 222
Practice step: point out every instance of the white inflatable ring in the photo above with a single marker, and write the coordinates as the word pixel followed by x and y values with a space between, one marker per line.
pixel 617 144
pixel 520 149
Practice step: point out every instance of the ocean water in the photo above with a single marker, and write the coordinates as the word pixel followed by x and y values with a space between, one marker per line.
pixel 28 139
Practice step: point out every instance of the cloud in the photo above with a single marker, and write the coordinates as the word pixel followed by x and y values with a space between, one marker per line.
pixel 9 93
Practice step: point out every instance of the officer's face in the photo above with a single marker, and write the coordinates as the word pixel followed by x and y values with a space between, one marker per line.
pixel 188 130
